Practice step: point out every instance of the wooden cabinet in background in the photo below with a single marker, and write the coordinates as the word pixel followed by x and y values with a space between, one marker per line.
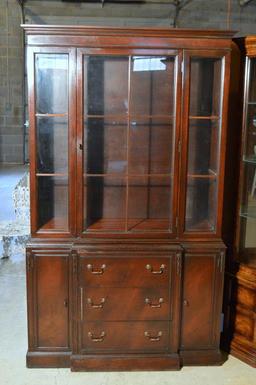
pixel 240 325
pixel 128 136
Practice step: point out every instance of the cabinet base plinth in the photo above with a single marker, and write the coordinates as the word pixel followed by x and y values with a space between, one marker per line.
pixel 48 359
pixel 201 357
pixel 243 353
pixel 123 363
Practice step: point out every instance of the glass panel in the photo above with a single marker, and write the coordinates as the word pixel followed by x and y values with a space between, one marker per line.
pixel 105 146
pixel 250 140
pixel 248 204
pixel 151 146
pixel 152 85
pixel 248 214
pixel 203 143
pixel 201 204
pixel 104 202
pixel 203 152
pixel 51 83
pixel 105 85
pixel 205 87
pixel 252 81
pixel 52 144
pixel 149 203
pixel 52 203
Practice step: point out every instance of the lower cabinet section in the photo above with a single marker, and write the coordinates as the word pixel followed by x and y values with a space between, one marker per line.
pixel 144 308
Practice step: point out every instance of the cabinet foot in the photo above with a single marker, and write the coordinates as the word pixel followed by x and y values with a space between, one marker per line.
pixel 202 357
pixel 48 359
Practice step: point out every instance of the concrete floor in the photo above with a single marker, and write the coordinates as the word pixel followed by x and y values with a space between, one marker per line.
pixel 10 175
pixel 13 344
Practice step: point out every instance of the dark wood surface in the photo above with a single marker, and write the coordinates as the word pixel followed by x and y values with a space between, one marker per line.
pixel 128 270
pixel 240 290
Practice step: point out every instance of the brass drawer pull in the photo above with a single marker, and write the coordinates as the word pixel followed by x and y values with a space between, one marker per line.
pixel 97 339
pixel 159 304
pixel 160 271
pixel 153 339
pixel 95 305
pixel 97 272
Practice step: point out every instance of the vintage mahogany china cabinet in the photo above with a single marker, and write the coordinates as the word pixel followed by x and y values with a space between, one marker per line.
pixel 241 283
pixel 127 145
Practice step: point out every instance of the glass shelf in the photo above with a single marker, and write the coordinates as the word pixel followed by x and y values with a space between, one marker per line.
pixel 249 214
pixel 45 115
pixel 204 117
pixel 250 159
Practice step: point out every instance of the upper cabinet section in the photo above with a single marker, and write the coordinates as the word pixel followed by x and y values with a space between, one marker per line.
pixel 127 131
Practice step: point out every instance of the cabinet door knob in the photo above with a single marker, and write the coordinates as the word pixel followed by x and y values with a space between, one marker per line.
pixel 97 339
pixel 185 302
pixel 153 338
pixel 160 271
pixel 97 272
pixel 149 302
pixel 65 302
pixel 94 305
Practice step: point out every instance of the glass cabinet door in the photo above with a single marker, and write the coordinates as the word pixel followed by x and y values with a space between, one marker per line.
pixel 127 131
pixel 203 122
pixel 248 182
pixel 50 73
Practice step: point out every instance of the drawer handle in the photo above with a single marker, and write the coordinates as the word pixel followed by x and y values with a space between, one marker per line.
pixel 153 339
pixel 97 339
pixel 95 305
pixel 97 272
pixel 149 302
pixel 160 271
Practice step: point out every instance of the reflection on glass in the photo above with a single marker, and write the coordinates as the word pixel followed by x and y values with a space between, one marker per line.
pixel 151 146
pixel 149 203
pixel 105 147
pixel 152 85
pixel 203 152
pixel 51 83
pixel 205 87
pixel 201 204
pixel 105 85
pixel 52 203
pixel 104 203
pixel 250 139
pixel 52 144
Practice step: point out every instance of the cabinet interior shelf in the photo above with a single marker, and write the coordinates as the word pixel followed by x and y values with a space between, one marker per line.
pixel 52 174
pixel 133 224
pixel 200 117
pixel 51 115
pixel 130 116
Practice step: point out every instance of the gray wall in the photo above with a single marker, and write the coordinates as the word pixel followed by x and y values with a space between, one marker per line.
pixel 197 14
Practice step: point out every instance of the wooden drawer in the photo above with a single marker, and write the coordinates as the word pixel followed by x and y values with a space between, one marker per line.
pixel 125 336
pixel 124 272
pixel 120 304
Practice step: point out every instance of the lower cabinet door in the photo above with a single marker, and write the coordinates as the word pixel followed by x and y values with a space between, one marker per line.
pixel 202 300
pixel 48 300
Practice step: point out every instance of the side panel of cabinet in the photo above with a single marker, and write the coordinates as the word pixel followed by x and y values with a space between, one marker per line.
pixel 202 294
pixel 48 286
